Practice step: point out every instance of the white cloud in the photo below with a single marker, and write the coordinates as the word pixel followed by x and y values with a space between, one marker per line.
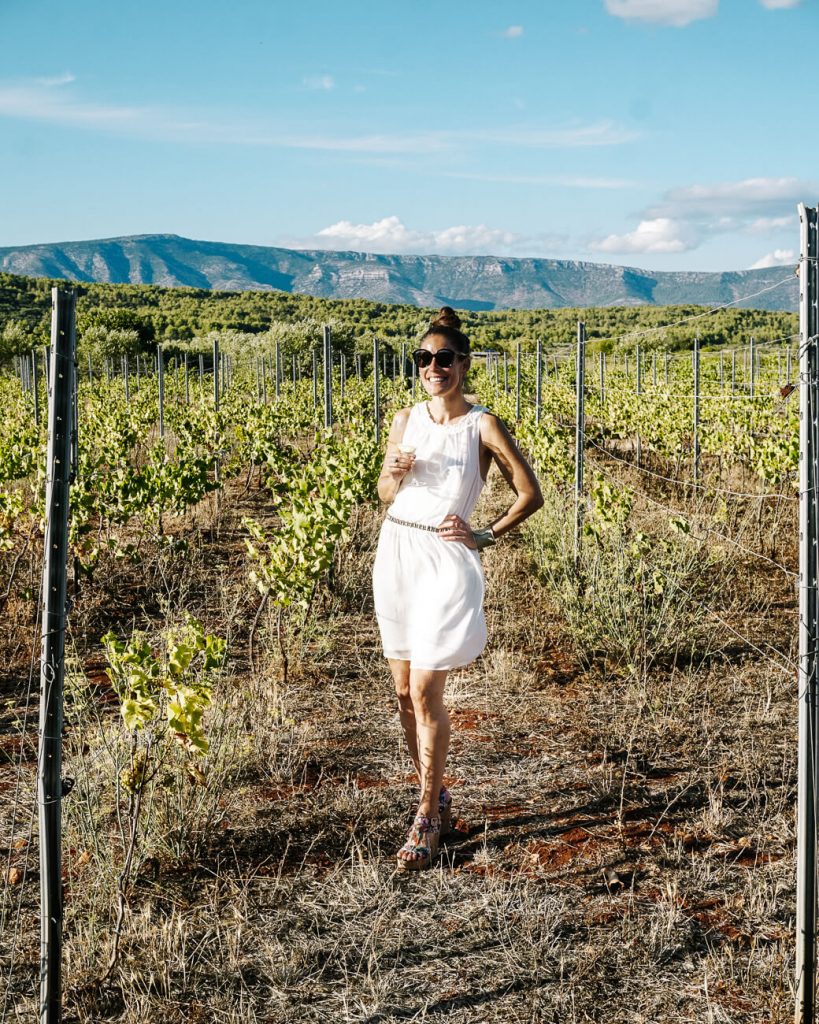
pixel 764 225
pixel 659 235
pixel 676 13
pixel 600 133
pixel 777 5
pixel 747 190
pixel 38 100
pixel 560 180
pixel 320 82
pixel 777 258
pixel 34 101
pixel 764 201
pixel 688 215
pixel 56 80
pixel 513 32
pixel 390 235
pixel 42 102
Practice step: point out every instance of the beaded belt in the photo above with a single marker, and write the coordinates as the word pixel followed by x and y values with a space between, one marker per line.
pixel 406 522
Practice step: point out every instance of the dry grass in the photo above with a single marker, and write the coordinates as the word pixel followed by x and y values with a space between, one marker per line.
pixel 624 843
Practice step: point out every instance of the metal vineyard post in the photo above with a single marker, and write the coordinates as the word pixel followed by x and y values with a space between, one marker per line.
pixel 52 667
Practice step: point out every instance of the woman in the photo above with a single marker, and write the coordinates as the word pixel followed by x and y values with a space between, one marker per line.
pixel 427 577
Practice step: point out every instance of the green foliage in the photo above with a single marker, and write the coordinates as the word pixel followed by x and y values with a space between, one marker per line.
pixel 627 601
pixel 113 319
pixel 15 340
pixel 165 693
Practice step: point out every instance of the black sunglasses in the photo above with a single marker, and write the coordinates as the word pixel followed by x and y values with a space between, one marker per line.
pixel 444 357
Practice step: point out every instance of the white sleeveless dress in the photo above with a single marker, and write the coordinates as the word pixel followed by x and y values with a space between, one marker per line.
pixel 429 591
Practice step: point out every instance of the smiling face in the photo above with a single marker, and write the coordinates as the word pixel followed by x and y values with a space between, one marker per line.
pixel 436 379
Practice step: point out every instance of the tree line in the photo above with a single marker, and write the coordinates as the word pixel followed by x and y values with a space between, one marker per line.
pixel 119 319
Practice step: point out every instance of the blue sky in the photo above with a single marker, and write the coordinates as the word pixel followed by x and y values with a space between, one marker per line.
pixel 667 134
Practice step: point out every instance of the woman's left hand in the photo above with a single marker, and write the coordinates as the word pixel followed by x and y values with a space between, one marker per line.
pixel 455 528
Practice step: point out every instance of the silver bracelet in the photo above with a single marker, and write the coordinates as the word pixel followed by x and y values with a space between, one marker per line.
pixel 484 538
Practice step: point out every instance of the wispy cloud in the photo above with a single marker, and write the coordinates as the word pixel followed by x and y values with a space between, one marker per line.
pixel 765 225
pixel 320 82
pixel 676 13
pixel 512 32
pixel 748 198
pixel 38 101
pixel 56 80
pixel 34 100
pixel 779 5
pixel 547 180
pixel 599 133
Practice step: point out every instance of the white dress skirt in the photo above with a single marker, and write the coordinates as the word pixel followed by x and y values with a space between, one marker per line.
pixel 429 591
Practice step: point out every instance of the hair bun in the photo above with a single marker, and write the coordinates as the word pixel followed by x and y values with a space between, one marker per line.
pixel 447 317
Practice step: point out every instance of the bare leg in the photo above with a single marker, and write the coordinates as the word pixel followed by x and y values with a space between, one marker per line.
pixel 432 730
pixel 406 713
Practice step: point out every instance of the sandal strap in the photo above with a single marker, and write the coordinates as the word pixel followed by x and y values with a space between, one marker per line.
pixel 422 826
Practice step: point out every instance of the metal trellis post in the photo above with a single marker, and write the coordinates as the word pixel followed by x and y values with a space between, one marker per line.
pixel 278 357
pixel 538 378
pixel 696 361
pixel 36 382
pixel 602 361
pixel 54 586
pixel 377 391
pixel 517 382
pixel 806 883
pixel 328 378
pixel 580 428
pixel 160 369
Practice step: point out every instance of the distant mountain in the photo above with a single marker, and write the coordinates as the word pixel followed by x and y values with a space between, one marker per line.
pixel 467 282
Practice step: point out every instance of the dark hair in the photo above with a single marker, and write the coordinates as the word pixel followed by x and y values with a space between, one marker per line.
pixel 448 324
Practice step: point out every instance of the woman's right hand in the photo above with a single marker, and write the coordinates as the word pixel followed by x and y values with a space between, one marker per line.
pixel 398 464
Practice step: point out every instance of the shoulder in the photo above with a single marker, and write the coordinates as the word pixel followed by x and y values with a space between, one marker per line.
pixel 399 423
pixel 489 422
pixel 493 430
pixel 402 415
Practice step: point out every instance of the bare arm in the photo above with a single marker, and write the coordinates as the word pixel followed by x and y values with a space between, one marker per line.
pixel 518 474
pixel 515 470
pixel 396 464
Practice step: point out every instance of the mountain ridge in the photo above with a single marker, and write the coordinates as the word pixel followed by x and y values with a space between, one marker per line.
pixel 466 282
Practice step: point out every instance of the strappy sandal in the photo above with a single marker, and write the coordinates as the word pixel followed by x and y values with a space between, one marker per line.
pixel 444 812
pixel 422 842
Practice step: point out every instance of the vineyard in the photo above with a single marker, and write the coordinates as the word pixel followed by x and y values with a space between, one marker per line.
pixel 623 752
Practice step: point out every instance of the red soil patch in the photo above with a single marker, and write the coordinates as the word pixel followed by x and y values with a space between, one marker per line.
pixel 498 812
pixel 467 719
pixel 362 781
